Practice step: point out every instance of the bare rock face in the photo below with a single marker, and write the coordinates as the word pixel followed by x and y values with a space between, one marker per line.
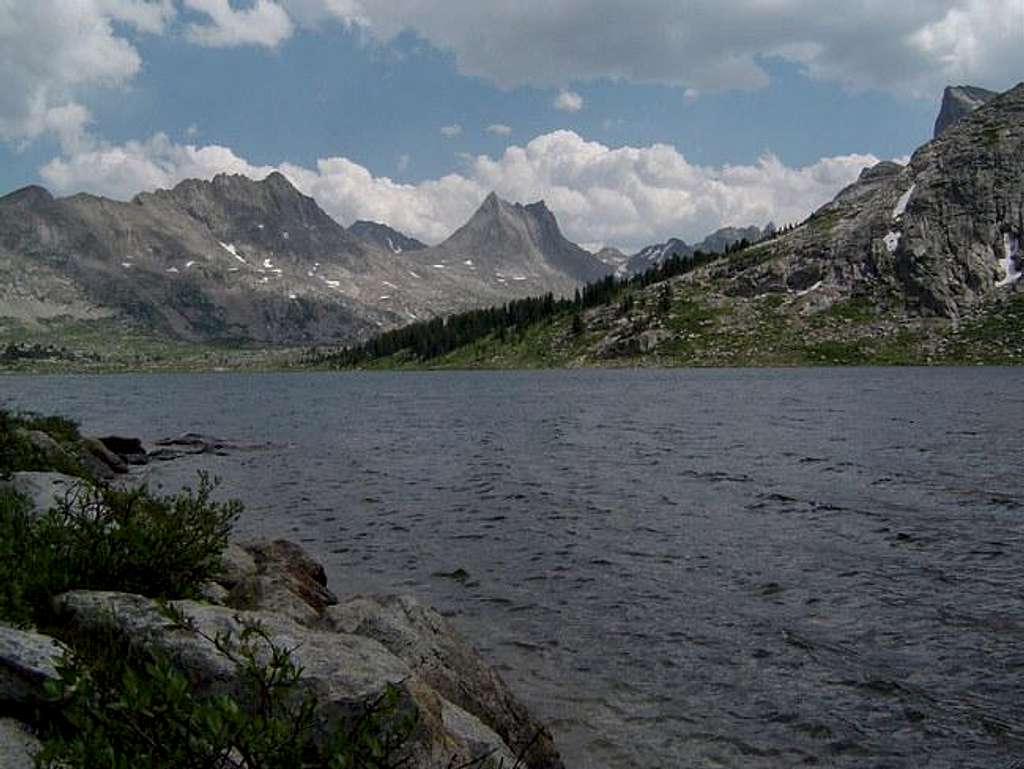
pixel 344 671
pixel 436 652
pixel 384 237
pixel 934 238
pixel 958 101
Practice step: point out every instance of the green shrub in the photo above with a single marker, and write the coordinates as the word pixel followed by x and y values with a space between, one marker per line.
pixel 125 709
pixel 102 538
pixel 130 541
pixel 15 551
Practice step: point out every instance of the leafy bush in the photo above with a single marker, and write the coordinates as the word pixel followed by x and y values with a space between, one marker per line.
pixel 16 555
pixel 102 538
pixel 132 710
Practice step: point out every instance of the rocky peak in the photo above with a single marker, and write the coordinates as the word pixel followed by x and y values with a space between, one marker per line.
pixel 30 197
pixel 959 101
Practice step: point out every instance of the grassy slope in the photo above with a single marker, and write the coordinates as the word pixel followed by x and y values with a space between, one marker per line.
pixel 699 330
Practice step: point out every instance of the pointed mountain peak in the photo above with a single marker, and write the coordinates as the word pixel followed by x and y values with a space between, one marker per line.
pixel 278 180
pixel 958 101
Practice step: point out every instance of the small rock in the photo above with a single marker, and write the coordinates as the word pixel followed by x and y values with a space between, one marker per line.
pixel 214 593
pixel 44 490
pixel 27 661
pixel 96 448
pixel 306 577
pixel 52 450
pixel 237 564
pixel 273 593
pixel 130 450
pixel 18 747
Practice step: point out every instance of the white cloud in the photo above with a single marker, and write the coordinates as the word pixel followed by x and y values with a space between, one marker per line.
pixel 499 129
pixel 914 47
pixel 451 131
pixel 263 23
pixel 121 171
pixel 403 163
pixel 626 196
pixel 50 50
pixel 568 101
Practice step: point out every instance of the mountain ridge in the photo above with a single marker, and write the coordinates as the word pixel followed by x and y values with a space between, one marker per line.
pixel 252 261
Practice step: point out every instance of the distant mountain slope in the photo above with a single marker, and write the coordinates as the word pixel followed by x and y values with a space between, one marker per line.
pixel 384 237
pixel 715 243
pixel 234 259
pixel 509 248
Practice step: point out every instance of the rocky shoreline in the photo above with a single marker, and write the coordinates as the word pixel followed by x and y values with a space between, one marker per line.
pixel 351 651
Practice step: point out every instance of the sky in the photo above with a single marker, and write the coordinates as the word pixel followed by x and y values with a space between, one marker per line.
pixel 635 121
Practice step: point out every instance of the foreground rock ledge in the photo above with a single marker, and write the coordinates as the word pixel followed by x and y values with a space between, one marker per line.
pixel 343 671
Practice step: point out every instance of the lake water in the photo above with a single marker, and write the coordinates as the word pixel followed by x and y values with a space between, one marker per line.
pixel 743 568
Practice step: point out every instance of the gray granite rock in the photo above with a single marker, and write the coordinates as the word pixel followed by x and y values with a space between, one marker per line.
pixel 439 655
pixel 959 101
pixel 18 746
pixel 345 672
pixel 44 490
pixel 27 661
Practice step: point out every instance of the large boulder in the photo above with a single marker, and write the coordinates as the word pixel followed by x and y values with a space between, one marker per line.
pixel 44 490
pixel 18 747
pixel 28 660
pixel 345 672
pixel 438 654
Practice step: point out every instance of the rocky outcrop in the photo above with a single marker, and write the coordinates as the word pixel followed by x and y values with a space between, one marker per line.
pixel 958 101
pixel 349 655
pixel 436 652
pixel 344 671
pixel 935 238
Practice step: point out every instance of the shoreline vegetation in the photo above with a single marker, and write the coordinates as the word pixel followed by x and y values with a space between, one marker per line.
pixel 134 632
pixel 671 316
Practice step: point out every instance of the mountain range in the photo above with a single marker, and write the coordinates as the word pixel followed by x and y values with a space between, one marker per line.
pixel 917 263
pixel 257 261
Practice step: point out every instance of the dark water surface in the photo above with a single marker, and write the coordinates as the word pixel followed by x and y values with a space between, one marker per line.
pixel 744 568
